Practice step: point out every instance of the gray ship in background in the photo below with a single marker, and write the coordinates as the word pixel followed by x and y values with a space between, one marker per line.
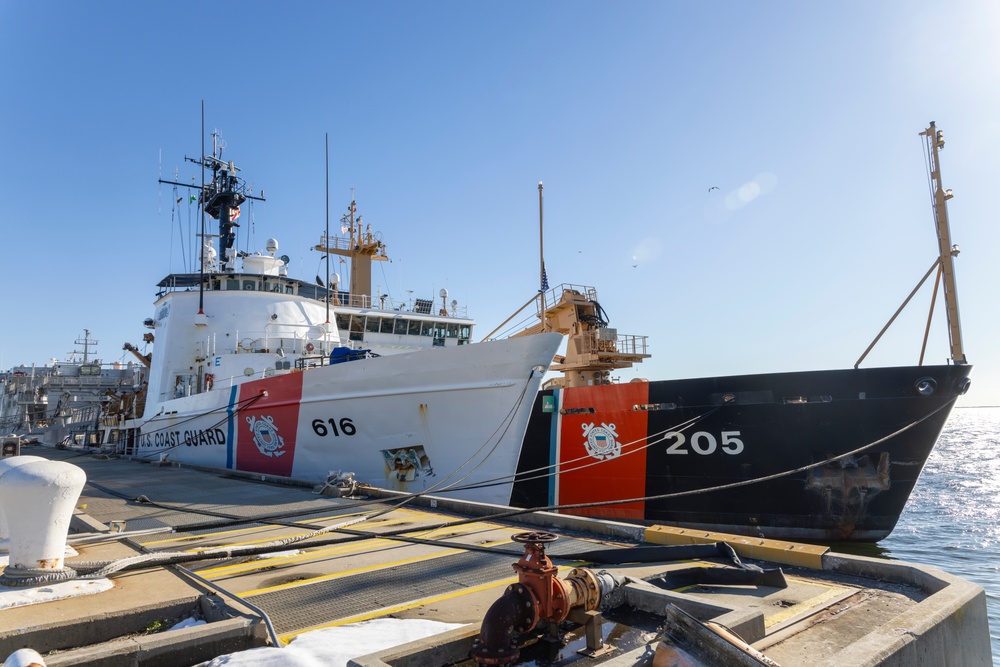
pixel 61 402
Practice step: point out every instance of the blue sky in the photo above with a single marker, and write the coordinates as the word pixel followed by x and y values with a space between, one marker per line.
pixel 445 115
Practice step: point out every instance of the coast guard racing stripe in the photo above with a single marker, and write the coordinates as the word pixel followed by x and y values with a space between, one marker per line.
pixel 266 429
pixel 603 459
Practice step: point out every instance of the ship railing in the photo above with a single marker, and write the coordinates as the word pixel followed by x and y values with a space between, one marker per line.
pixel 608 341
pixel 548 299
pixel 385 302
pixel 552 297
pixel 303 339
pixel 336 242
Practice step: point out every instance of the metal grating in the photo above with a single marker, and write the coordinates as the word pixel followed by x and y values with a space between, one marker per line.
pixel 315 604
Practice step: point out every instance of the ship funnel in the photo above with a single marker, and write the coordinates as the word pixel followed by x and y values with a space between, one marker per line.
pixel 5 465
pixel 40 497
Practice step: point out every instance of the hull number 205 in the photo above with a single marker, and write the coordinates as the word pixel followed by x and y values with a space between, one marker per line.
pixel 704 443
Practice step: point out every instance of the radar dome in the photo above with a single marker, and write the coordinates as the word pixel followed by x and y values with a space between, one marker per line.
pixel 271 246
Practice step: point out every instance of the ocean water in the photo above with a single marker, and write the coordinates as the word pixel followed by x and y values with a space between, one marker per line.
pixel 952 519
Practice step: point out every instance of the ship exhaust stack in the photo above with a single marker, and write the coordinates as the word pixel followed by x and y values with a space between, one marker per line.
pixel 540 596
pixel 40 497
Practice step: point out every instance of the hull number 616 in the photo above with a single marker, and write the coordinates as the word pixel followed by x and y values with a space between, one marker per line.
pixel 346 427
pixel 704 443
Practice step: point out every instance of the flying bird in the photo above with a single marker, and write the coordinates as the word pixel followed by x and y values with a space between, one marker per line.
pixel 714 187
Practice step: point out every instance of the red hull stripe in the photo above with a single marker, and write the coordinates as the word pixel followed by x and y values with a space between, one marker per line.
pixel 267 428
pixel 605 458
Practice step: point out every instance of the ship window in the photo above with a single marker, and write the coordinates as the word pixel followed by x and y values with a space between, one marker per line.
pixel 386 325
pixel 249 285
pixel 289 289
pixel 343 321
pixel 465 332
pixel 414 327
pixel 452 331
pixel 357 327
pixel 232 284
pixel 400 328
pixel 357 323
pixel 427 329
pixel 372 324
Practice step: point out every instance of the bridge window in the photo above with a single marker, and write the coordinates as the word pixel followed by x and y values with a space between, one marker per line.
pixel 372 324
pixel 357 327
pixel 400 327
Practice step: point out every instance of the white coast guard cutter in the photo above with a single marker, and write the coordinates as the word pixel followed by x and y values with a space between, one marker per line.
pixel 250 371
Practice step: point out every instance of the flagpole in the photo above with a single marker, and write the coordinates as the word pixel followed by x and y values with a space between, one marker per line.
pixel 201 206
pixel 541 244
pixel 328 229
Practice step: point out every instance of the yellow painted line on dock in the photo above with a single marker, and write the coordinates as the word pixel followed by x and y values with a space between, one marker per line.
pixel 775 551
pixel 376 523
pixel 810 604
pixel 224 571
pixel 395 609
pixel 316 554
pixel 367 568
pixel 238 531
pixel 356 526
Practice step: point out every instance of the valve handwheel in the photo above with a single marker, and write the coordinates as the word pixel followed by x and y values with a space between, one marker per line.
pixel 538 537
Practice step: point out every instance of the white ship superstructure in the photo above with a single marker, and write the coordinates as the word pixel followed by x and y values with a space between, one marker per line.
pixel 250 371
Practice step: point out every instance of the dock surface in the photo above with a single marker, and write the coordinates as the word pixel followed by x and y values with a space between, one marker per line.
pixel 409 560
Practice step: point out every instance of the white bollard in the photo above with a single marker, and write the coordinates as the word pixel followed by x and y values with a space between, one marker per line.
pixel 5 465
pixel 24 657
pixel 40 498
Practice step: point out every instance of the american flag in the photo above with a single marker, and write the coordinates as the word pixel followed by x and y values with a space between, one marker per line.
pixel 545 280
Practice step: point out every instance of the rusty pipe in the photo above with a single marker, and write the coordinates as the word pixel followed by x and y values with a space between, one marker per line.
pixel 514 611
pixel 538 595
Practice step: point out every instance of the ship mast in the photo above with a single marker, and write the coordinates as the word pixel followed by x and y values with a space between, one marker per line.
pixel 362 247
pixel 87 343
pixel 221 198
pixel 934 139
pixel 944 263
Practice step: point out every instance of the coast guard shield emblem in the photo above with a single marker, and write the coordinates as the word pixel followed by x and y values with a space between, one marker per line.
pixel 600 441
pixel 265 436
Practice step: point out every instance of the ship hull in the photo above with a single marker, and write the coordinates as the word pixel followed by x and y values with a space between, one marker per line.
pixel 772 439
pixel 412 422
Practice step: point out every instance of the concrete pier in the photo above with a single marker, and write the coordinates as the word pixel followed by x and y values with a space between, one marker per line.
pixel 444 560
